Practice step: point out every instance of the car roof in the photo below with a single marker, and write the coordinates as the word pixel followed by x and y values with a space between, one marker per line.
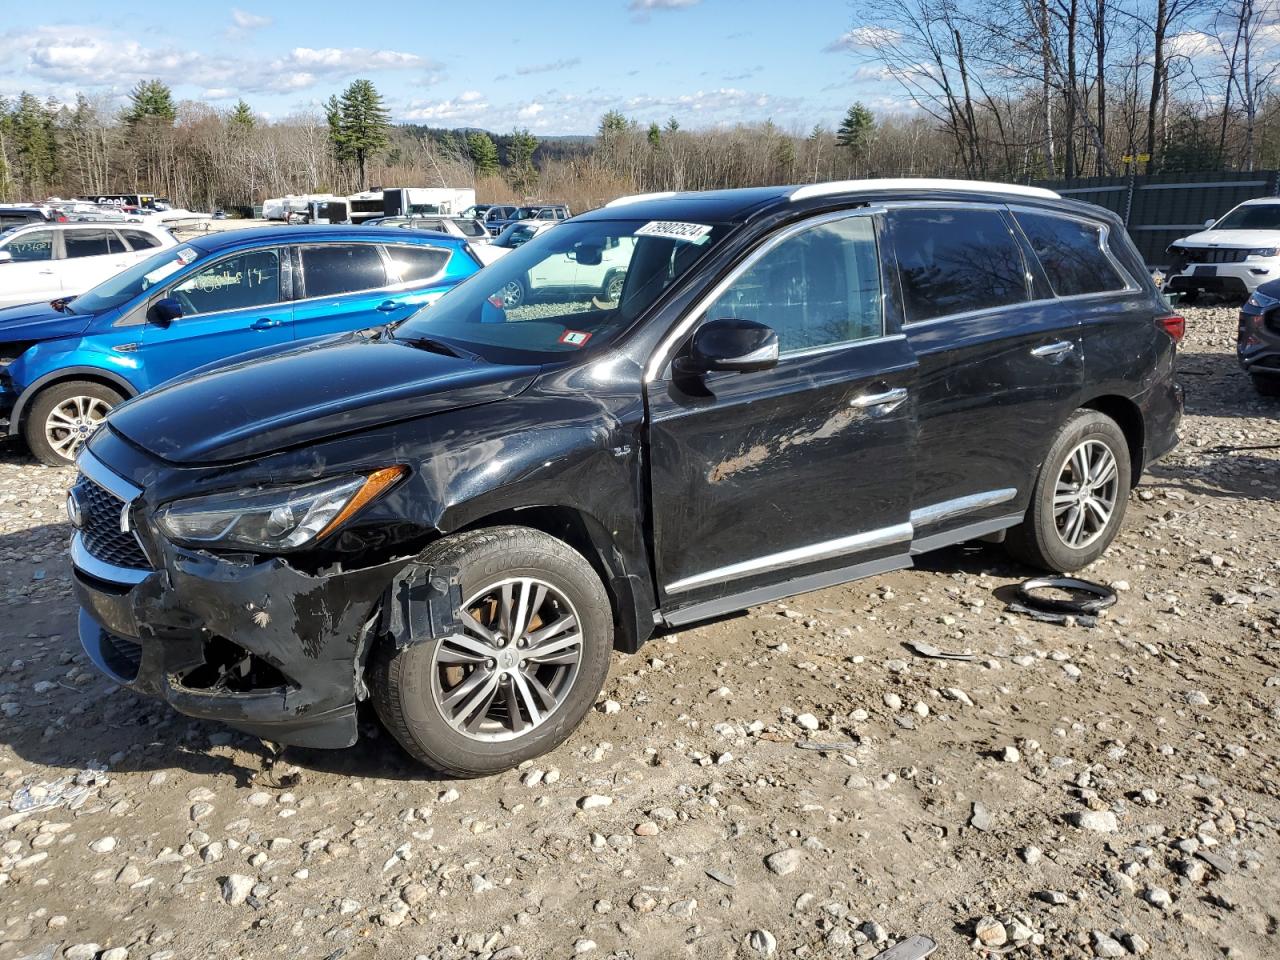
pixel 1260 202
pixel 320 233
pixel 740 204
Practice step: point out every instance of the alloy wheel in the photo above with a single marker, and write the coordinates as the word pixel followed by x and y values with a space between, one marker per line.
pixel 514 663
pixel 512 294
pixel 1084 497
pixel 71 423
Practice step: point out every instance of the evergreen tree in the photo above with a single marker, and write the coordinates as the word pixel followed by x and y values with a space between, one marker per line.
pixel 242 116
pixel 673 125
pixel 484 153
pixel 358 122
pixel 150 101
pixel 655 136
pixel 34 143
pixel 856 129
pixel 520 170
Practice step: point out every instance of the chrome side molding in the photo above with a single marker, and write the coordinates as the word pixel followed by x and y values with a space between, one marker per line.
pixel 937 512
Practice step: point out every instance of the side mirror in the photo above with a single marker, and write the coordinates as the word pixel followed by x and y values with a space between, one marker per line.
pixel 164 311
pixel 1209 223
pixel 587 254
pixel 731 344
pixel 6 256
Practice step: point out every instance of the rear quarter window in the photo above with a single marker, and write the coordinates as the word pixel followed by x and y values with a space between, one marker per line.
pixel 956 260
pixel 1072 254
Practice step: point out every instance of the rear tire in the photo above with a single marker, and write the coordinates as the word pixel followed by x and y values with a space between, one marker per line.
pixel 1078 503
pixel 62 417
pixel 1266 386
pixel 527 699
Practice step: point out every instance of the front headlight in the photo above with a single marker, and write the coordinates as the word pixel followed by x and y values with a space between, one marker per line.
pixel 1262 301
pixel 279 518
pixel 1264 252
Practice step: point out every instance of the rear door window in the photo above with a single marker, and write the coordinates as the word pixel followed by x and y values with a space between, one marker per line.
pixel 91 243
pixel 140 240
pixel 342 268
pixel 416 264
pixel 1071 252
pixel 956 261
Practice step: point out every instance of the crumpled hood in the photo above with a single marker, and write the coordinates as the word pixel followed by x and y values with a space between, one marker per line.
pixel 307 394
pixel 1233 238
pixel 39 321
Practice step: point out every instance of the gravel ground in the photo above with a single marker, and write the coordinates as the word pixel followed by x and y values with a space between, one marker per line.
pixel 1070 792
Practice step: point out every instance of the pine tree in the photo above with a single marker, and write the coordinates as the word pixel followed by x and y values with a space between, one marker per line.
pixel 484 153
pixel 655 136
pixel 34 143
pixel 242 116
pixel 673 125
pixel 358 122
pixel 150 101
pixel 856 129
pixel 520 169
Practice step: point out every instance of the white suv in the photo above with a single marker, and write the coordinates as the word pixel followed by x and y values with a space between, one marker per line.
pixel 45 261
pixel 1233 255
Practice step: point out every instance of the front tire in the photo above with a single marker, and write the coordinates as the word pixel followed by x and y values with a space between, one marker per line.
pixel 1078 503
pixel 527 666
pixel 1266 386
pixel 62 417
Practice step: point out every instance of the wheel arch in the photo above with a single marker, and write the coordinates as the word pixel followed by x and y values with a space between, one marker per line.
pixel 1128 416
pixel 630 594
pixel 106 378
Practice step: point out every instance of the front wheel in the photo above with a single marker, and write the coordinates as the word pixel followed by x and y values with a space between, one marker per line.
pixel 1079 498
pixel 63 417
pixel 526 665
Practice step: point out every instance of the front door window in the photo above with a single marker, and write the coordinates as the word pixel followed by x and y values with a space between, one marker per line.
pixel 249 279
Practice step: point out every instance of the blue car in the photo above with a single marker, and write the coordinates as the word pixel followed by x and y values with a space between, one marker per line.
pixel 65 364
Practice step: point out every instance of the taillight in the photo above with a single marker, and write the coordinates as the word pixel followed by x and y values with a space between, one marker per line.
pixel 1174 325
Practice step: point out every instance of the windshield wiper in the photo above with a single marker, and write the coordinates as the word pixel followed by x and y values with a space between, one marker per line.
pixel 437 346
pixel 62 304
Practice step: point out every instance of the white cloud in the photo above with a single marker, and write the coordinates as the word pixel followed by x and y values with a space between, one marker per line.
pixel 548 67
pixel 466 110
pixel 862 38
pixel 243 22
pixel 643 6
pixel 531 111
pixel 470 96
pixel 1192 44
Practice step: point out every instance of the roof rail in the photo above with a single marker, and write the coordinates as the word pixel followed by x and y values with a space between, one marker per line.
pixel 637 197
pixel 917 183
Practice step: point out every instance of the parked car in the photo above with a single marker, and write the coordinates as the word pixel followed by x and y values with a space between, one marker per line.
pixel 500 216
pixel 549 211
pixel 15 216
pixel 1231 256
pixel 563 276
pixel 518 234
pixel 476 211
pixel 464 229
pixel 65 365
pixel 47 261
pixel 462 516
pixel 1258 338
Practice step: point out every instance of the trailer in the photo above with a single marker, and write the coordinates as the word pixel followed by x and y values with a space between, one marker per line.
pixel 279 208
pixel 426 201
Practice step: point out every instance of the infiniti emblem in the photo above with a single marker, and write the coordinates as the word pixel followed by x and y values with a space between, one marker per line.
pixel 74 512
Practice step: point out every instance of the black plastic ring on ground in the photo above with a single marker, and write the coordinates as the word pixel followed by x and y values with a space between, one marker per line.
pixel 1099 597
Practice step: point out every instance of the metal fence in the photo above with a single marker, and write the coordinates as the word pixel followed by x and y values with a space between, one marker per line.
pixel 1161 208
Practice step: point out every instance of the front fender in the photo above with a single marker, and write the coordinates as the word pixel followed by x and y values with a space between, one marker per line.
pixel 38 368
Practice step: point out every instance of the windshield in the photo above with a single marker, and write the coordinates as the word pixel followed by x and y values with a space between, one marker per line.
pixel 139 278
pixel 1257 216
pixel 581 284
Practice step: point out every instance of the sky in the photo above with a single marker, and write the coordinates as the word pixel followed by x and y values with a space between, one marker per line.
pixel 553 66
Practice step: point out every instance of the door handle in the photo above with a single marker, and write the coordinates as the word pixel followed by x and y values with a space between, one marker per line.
pixel 265 323
pixel 888 399
pixel 1056 349
pixel 386 306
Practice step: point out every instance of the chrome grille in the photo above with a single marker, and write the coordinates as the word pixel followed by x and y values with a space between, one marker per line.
pixel 100 527
pixel 1214 254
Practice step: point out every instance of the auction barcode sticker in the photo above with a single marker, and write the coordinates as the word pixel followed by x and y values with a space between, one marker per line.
pixel 673 230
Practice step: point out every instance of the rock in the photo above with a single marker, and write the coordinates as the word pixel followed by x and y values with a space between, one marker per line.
pixel 115 953
pixel 1197 698
pixel 783 862
pixel 610 707
pixel 103 845
pixel 583 946
pixel 762 942
pixel 1054 898
pixel 643 903
pixel 128 874
pixel 808 721
pixel 990 932
pixel 1135 944
pixel 893 701
pixel 1031 855
pixel 81 951
pixel 347 906
pixel 1011 754
pixel 1104 946
pixel 1100 821
pixel 594 801
pixel 236 888
pixel 413 893
pixel 980 819
pixel 646 829
pixel 1158 897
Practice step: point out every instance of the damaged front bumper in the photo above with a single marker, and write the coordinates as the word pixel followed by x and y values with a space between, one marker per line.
pixel 256 644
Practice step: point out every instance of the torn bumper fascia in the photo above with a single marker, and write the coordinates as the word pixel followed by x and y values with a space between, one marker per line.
pixel 315 629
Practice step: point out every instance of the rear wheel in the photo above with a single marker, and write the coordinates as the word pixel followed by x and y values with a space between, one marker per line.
pixel 1079 499
pixel 1266 386
pixel 517 679
pixel 513 294
pixel 62 417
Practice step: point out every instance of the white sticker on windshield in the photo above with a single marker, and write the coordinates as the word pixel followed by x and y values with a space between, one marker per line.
pixel 162 271
pixel 673 230
pixel 186 255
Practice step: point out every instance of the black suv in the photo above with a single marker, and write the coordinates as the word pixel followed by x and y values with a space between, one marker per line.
pixel 1258 338
pixel 462 514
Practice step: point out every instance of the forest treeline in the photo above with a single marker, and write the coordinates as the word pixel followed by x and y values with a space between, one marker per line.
pixel 1005 91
